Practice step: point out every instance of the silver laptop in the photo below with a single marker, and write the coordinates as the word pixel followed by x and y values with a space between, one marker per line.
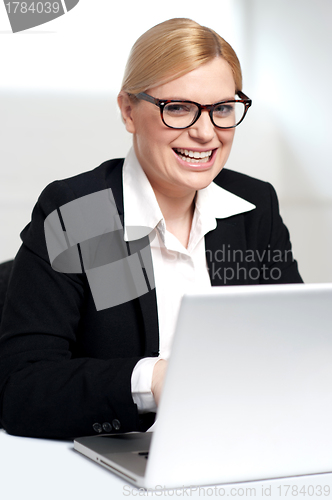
pixel 247 396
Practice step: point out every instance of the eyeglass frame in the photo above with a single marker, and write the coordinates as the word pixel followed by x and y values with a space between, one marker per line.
pixel 161 103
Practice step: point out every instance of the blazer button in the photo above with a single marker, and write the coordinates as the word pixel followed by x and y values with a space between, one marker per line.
pixel 97 428
pixel 107 427
pixel 116 424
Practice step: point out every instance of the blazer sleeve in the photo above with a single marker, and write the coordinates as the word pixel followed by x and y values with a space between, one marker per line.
pixel 46 390
pixel 279 265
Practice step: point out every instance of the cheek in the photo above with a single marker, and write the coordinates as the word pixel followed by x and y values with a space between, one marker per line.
pixel 149 142
pixel 226 137
pixel 154 137
pixel 145 134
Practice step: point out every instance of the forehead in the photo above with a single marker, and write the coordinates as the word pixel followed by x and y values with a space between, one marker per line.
pixel 208 83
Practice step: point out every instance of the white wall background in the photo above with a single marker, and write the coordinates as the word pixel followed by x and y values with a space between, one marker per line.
pixel 58 113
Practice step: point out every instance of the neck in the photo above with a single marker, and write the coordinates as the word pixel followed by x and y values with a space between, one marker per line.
pixel 176 207
pixel 178 213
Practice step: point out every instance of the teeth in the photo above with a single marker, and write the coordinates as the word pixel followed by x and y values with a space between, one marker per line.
pixel 194 160
pixel 188 154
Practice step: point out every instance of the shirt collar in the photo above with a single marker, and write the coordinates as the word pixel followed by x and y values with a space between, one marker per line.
pixel 142 213
pixel 141 210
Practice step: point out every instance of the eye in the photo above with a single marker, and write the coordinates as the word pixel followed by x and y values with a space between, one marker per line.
pixel 223 110
pixel 179 108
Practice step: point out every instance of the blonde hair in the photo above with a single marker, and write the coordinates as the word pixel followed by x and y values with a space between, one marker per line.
pixel 172 49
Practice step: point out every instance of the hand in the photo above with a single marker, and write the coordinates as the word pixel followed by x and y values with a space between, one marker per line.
pixel 158 376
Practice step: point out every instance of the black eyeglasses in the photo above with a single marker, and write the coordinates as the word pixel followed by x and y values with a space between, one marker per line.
pixel 183 114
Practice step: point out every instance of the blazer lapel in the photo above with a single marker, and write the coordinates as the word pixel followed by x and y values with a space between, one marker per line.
pixel 148 301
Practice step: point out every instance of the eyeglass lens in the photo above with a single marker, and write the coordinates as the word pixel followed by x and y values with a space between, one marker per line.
pixel 183 114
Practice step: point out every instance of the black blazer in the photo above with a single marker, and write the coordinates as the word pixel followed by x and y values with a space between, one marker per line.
pixel 65 369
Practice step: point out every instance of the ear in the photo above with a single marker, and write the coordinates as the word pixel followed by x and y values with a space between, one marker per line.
pixel 127 107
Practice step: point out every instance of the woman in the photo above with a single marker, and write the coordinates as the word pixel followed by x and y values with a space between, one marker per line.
pixel 77 361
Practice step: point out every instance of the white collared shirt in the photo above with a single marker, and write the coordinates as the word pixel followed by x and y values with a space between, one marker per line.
pixel 176 269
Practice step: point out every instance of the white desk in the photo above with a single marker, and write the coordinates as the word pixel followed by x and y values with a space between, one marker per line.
pixel 39 469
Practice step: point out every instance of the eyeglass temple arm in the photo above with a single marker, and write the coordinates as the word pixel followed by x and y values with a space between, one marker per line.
pixel 244 97
pixel 149 98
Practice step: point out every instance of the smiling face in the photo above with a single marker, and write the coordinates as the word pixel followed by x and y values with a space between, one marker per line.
pixel 165 153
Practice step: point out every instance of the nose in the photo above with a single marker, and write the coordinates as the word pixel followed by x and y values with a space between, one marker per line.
pixel 203 130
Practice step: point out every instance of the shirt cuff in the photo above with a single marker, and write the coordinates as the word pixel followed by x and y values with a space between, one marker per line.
pixel 141 380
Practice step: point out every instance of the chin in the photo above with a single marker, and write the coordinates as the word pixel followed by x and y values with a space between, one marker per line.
pixel 203 180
